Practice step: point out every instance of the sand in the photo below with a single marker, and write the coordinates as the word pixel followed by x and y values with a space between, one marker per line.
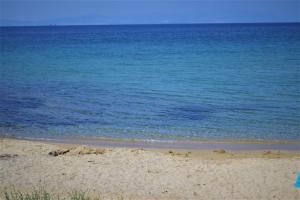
pixel 130 173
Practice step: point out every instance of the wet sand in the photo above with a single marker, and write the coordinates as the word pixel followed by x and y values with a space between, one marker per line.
pixel 196 144
pixel 149 173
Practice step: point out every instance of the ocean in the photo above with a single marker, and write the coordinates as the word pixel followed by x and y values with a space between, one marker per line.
pixel 151 82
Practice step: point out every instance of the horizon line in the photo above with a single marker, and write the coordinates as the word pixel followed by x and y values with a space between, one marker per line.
pixel 137 24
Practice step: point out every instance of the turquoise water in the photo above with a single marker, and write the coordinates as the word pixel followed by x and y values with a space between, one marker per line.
pixel 234 81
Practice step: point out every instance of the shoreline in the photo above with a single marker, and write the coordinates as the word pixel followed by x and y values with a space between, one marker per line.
pixel 204 144
pixel 214 151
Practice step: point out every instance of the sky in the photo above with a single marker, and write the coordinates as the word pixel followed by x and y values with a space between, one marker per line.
pixel 87 12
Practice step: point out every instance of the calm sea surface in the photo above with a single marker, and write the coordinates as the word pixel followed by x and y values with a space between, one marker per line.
pixel 234 81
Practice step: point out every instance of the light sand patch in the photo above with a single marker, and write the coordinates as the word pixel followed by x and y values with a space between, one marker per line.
pixel 149 174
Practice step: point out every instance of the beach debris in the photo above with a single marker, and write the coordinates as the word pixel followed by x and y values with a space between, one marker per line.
pixel 187 154
pixel 137 151
pixel 7 156
pixel 267 152
pixel 171 152
pixel 220 151
pixel 153 171
pixel 81 150
pixel 58 152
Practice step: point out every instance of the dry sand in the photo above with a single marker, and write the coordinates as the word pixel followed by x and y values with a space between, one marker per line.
pixel 127 173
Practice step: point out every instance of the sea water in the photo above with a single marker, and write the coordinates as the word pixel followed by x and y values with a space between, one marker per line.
pixel 209 81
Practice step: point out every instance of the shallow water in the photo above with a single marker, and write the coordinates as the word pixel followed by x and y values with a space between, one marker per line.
pixel 234 81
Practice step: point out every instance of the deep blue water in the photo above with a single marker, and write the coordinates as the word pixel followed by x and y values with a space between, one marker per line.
pixel 222 81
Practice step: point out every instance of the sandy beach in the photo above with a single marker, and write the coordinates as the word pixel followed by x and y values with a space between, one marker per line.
pixel 133 173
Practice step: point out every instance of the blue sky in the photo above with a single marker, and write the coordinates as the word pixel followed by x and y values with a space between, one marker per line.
pixel 75 12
